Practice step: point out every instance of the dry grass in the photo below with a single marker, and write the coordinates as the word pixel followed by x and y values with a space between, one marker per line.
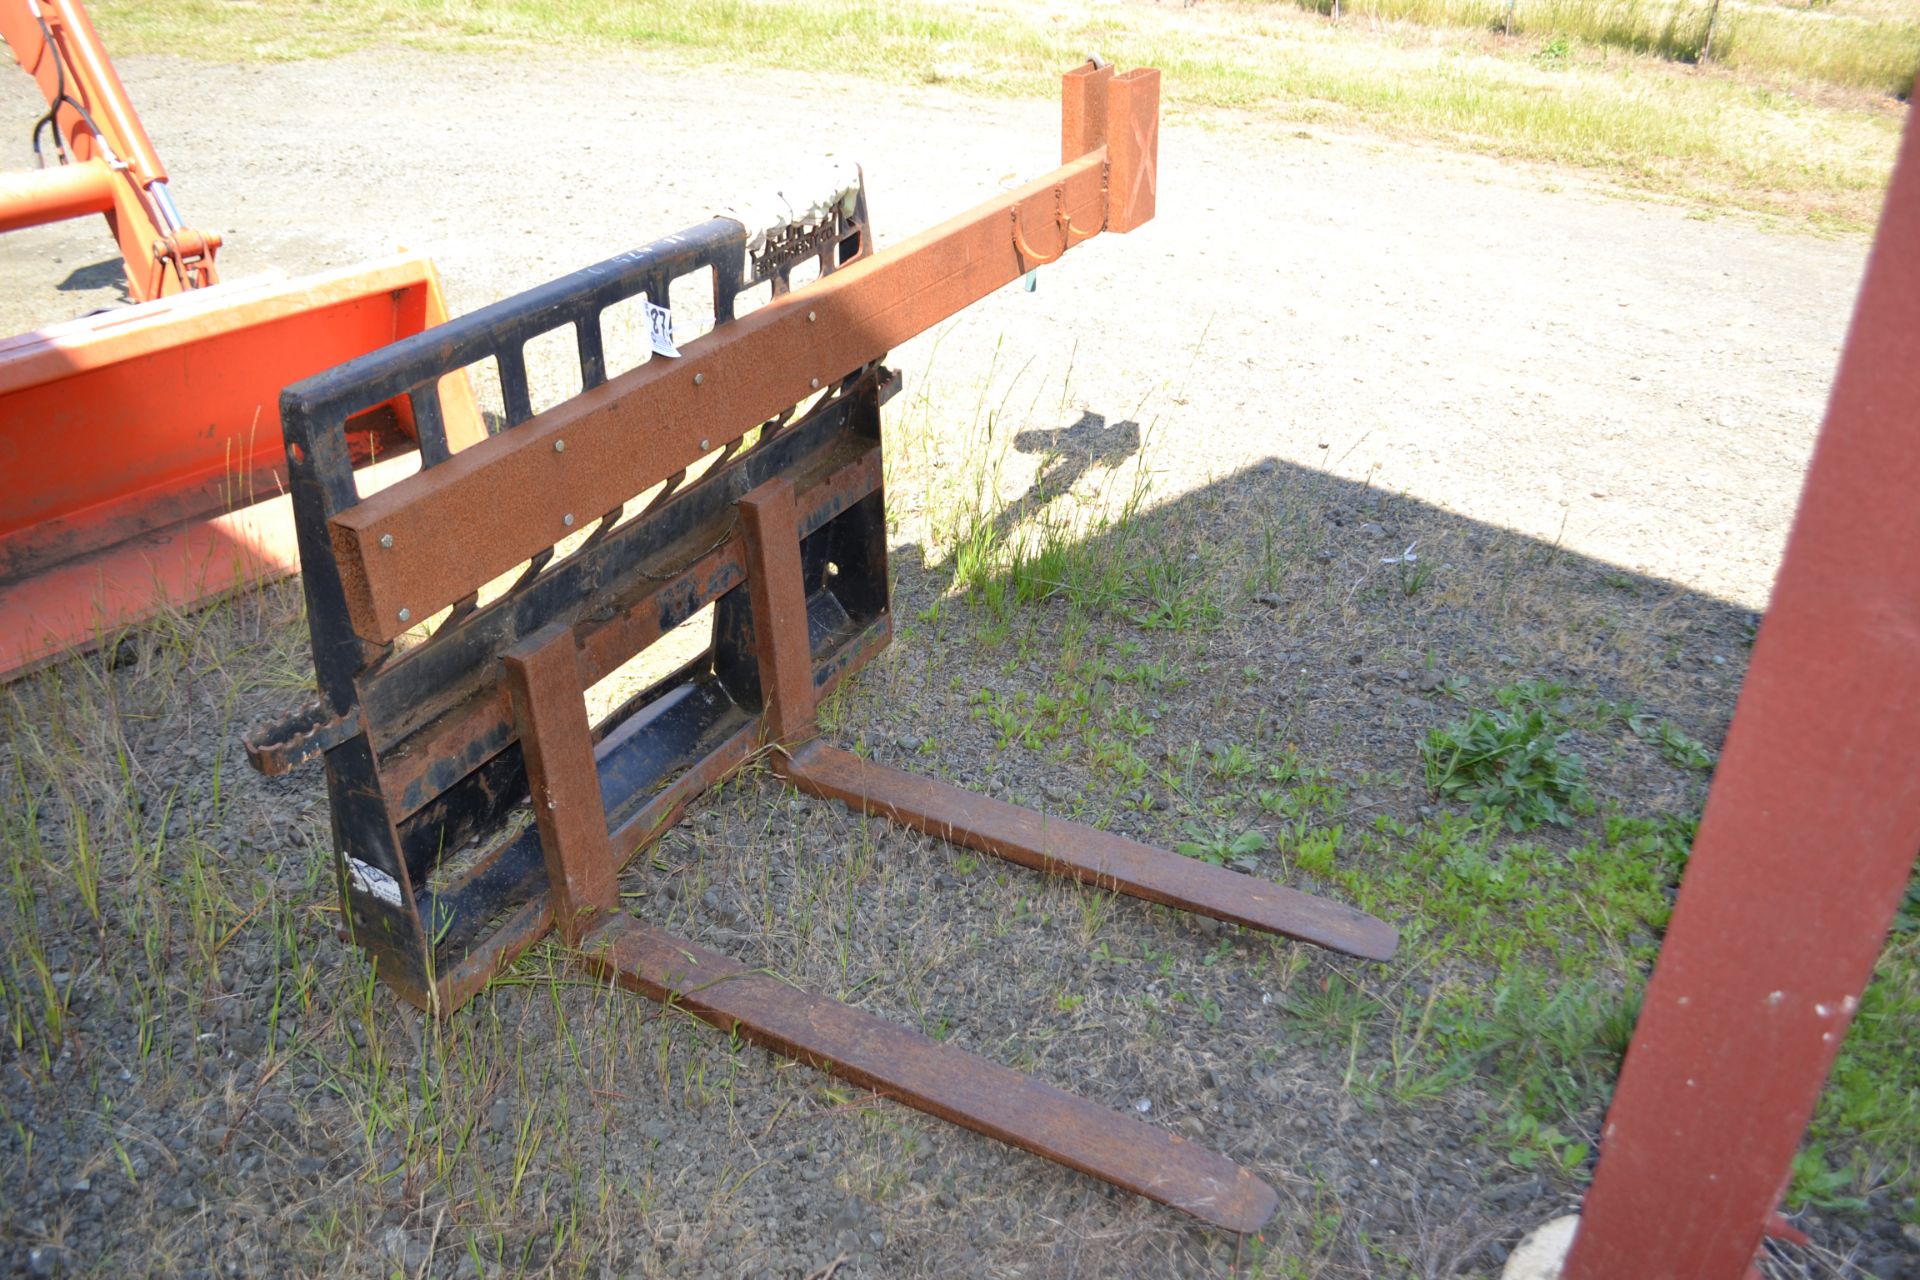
pixel 1856 44
pixel 1754 140
pixel 181 1030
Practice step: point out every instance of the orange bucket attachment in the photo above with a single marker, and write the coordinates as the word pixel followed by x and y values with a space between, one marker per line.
pixel 141 463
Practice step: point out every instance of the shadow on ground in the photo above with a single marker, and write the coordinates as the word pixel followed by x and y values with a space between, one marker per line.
pixel 108 273
pixel 201 1079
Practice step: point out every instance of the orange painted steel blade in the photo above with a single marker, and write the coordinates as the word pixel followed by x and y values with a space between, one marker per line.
pixel 940 1080
pixel 142 446
pixel 82 603
pixel 1086 853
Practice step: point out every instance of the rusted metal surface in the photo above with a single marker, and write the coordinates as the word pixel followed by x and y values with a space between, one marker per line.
pixel 931 1077
pixel 490 508
pixel 300 737
pixel 1031 839
pixel 1808 838
pixel 1087 854
pixel 778 596
pixel 542 676
pixel 423 752
pixel 1133 147
pixel 1034 840
pixel 1083 109
pixel 427 765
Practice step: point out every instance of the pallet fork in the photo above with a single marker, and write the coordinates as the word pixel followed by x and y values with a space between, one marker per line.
pixel 141 446
pixel 438 748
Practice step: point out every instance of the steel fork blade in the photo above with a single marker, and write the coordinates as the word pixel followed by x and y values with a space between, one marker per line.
pixel 1086 853
pixel 928 1076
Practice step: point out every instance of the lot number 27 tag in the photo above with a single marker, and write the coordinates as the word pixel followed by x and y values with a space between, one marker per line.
pixel 660 329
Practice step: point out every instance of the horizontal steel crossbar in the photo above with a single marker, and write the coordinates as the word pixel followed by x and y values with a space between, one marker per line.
pixel 409 551
pixel 492 506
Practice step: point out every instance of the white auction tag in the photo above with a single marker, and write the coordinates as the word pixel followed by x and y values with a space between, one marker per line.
pixel 660 328
pixel 370 879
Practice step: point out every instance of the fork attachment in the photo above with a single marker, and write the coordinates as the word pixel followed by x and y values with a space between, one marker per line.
pixel 461 617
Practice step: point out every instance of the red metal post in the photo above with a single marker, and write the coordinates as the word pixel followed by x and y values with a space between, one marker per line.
pixel 1808 838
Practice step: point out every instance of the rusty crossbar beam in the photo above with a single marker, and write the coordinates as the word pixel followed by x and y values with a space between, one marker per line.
pixel 405 553
pixel 437 751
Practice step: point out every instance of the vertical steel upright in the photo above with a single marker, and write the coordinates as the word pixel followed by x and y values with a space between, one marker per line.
pixel 1808 838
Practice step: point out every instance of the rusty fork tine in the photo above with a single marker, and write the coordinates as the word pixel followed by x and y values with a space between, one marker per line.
pixel 1085 853
pixel 1019 835
pixel 940 1080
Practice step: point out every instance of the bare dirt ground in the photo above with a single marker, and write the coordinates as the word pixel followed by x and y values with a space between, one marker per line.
pixel 1590 415
pixel 1453 328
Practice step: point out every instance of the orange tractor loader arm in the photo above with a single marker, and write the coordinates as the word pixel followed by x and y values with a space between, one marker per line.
pixel 141 462
pixel 106 164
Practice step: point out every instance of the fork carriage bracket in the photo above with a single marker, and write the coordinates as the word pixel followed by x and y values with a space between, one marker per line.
pixel 438 751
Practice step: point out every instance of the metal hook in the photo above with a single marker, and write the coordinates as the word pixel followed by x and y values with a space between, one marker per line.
pixel 1020 246
pixel 1070 235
